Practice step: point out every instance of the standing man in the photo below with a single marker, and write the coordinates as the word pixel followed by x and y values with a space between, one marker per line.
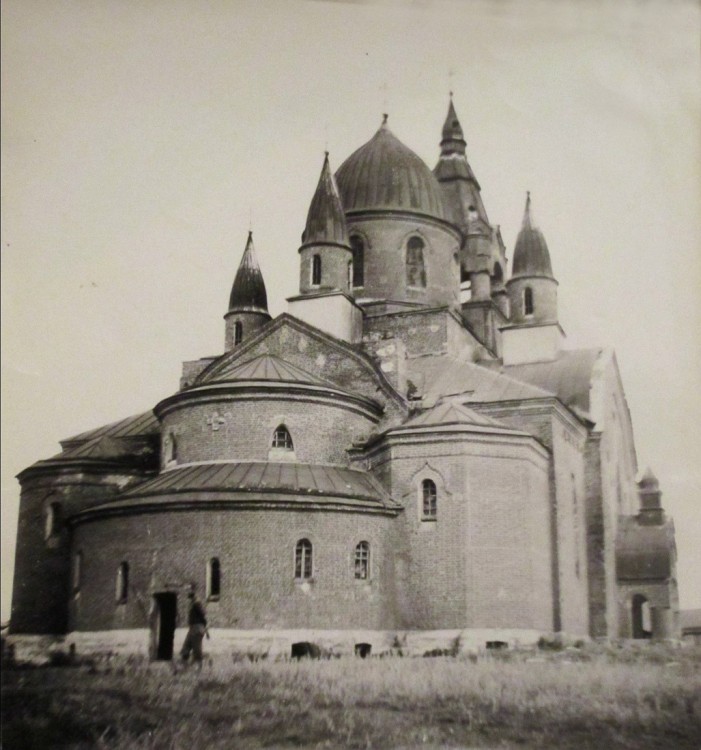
pixel 197 628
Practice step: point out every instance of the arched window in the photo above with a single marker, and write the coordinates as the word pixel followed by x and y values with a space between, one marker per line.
pixel 358 248
pixel 213 579
pixel 528 301
pixel 171 449
pixel 303 559
pixel 497 275
pixel 122 589
pixel 238 332
pixel 77 576
pixel 429 497
pixel 53 520
pixel 282 438
pixel 415 269
pixel 362 561
pixel 316 270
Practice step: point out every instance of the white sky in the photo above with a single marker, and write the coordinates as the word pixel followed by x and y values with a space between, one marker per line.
pixel 138 138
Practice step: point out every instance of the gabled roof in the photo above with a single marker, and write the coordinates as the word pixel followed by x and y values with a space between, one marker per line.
pixel 437 377
pixel 217 369
pixel 569 376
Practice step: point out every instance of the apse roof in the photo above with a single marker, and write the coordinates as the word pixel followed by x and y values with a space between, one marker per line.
pixel 135 426
pixel 386 174
pixel 248 291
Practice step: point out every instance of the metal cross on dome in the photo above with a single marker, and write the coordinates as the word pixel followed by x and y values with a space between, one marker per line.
pixel 215 421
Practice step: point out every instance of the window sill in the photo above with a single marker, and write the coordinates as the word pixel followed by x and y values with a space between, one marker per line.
pixel 212 599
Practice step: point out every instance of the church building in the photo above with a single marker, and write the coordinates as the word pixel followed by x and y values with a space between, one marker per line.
pixel 410 449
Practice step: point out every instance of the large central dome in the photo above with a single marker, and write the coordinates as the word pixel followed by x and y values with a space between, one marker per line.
pixel 385 174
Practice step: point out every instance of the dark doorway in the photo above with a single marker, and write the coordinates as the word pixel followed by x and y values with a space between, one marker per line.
pixel 640 615
pixel 363 649
pixel 164 624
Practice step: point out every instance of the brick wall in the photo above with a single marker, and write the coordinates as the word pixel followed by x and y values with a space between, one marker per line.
pixel 41 577
pixel 385 239
pixel 167 551
pixel 485 561
pixel 241 429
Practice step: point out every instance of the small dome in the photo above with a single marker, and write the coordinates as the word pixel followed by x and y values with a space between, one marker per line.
pixel 531 255
pixel 385 174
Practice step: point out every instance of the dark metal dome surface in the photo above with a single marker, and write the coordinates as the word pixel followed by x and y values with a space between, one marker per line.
pixel 386 174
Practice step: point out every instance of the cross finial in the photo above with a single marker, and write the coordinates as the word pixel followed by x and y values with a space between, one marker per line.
pixel 451 73
pixel 250 220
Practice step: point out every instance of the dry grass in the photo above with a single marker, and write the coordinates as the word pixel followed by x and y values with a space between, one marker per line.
pixel 593 698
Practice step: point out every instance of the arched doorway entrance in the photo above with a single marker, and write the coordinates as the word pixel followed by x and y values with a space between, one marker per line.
pixel 640 617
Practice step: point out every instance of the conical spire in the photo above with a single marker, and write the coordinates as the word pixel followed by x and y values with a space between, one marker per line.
pixel 531 254
pixel 460 185
pixel 453 140
pixel 326 221
pixel 248 292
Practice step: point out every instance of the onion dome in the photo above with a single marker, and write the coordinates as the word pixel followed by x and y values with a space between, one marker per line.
pixel 648 481
pixel 248 292
pixel 326 222
pixel 531 255
pixel 385 174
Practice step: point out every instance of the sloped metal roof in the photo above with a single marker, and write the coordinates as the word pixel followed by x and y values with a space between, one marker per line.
pixel 136 426
pixel 326 221
pixel 441 376
pixel 569 376
pixel 450 413
pixel 246 481
pixel 270 367
pixel 644 552
pixel 386 174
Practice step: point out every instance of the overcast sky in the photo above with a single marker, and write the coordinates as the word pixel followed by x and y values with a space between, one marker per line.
pixel 140 138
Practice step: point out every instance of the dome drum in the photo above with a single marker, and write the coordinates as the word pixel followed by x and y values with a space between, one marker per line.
pixel 407 260
pixel 239 422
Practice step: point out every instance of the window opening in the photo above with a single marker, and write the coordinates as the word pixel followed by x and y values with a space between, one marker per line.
pixel 316 270
pixel 415 269
pixel 303 559
pixel 429 497
pixel 122 590
pixel 362 561
pixel 238 332
pixel 282 438
pixel 53 520
pixel 640 611
pixel 358 248
pixel 213 579
pixel 77 571
pixel 528 306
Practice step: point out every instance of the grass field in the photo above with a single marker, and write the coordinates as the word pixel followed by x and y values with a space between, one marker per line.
pixel 587 698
